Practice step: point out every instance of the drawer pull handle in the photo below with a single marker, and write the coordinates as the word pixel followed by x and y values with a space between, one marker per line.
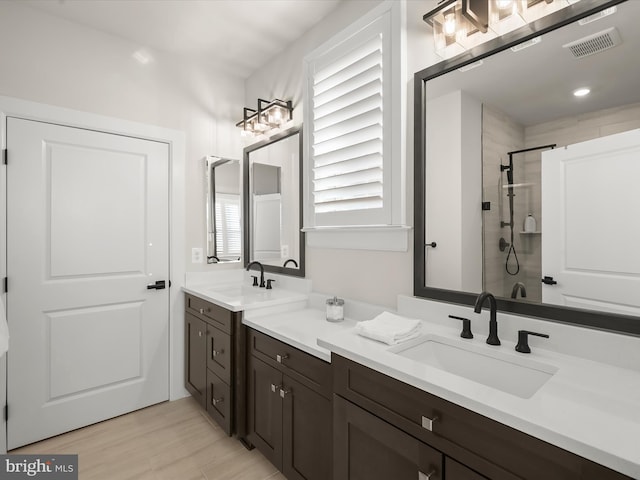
pixel 283 393
pixel 216 401
pixel 280 358
pixel 426 476
pixel 201 311
pixel 217 352
pixel 427 422
pixel 274 387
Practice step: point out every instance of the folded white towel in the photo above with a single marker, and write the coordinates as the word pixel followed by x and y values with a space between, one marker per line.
pixel 389 328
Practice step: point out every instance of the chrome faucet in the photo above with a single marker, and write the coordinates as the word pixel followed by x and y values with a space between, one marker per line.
pixel 261 271
pixel 492 339
pixel 519 286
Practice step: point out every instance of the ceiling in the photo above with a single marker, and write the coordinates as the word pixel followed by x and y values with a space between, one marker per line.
pixel 535 85
pixel 235 36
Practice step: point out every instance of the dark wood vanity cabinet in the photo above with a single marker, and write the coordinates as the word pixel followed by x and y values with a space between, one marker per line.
pixel 413 431
pixel 289 408
pixel 213 374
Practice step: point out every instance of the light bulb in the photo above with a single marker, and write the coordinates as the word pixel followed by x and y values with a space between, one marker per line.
pixel 449 26
pixel 504 4
pixel 581 92
pixel 276 116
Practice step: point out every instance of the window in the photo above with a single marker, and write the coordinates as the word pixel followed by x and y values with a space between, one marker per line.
pixel 228 240
pixel 354 104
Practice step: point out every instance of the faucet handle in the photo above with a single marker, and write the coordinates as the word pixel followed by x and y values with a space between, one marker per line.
pixel 255 280
pixel 466 326
pixel 523 340
pixel 269 280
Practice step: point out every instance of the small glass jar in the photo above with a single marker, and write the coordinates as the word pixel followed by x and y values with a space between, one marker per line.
pixel 335 309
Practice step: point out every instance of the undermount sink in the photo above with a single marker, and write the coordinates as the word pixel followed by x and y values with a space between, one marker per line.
pixel 518 376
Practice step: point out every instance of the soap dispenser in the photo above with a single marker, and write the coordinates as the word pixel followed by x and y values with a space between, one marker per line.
pixel 530 224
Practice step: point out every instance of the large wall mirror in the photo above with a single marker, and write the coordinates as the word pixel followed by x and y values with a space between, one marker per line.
pixel 224 240
pixel 523 187
pixel 273 209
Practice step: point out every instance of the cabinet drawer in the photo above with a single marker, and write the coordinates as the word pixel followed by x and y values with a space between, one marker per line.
pixel 219 401
pixel 366 447
pixel 219 353
pixel 301 366
pixel 470 438
pixel 215 315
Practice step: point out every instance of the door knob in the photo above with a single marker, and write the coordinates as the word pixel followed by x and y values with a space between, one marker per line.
pixel 549 281
pixel 159 285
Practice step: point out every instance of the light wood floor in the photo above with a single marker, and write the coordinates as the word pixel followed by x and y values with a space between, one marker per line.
pixel 169 441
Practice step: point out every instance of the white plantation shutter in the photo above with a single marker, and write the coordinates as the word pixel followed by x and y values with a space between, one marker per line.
pixel 355 135
pixel 347 89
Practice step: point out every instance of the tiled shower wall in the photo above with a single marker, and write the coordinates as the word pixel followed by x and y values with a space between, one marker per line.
pixel 501 135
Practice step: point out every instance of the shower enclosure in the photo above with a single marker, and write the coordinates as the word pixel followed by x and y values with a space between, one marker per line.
pixel 511 192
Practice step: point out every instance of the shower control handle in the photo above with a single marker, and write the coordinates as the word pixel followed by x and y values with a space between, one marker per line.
pixel 549 280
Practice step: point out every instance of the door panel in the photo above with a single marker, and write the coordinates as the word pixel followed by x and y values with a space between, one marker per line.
pixel 307 433
pixel 195 337
pixel 592 256
pixel 94 335
pixel 264 410
pixel 87 231
pixel 89 173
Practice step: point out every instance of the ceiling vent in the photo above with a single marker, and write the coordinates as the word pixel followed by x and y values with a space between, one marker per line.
pixel 596 43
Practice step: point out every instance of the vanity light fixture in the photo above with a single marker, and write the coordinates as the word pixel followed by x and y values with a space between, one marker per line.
pixel 459 25
pixel 269 115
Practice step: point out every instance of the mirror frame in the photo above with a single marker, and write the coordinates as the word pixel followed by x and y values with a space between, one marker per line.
pixel 210 213
pixel 246 209
pixel 618 323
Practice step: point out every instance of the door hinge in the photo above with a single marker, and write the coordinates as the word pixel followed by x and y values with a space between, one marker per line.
pixel 4 156
pixel 6 412
pixel 5 284
pixel 486 205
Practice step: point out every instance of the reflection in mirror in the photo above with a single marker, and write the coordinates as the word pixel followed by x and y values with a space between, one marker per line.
pixel 525 183
pixel 223 209
pixel 273 210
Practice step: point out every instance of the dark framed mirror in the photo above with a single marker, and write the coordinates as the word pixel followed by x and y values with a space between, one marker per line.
pixel 272 184
pixel 223 209
pixel 499 136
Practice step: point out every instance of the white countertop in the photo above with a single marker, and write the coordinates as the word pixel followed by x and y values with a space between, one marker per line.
pixel 589 408
pixel 241 297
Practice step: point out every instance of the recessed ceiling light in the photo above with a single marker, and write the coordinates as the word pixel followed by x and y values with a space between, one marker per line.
pixel 142 56
pixel 581 92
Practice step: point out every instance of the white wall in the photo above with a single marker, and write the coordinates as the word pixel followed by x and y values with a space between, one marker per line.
pixel 454 192
pixel 369 276
pixel 50 60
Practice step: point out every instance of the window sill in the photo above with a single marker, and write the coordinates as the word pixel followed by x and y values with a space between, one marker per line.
pixel 377 237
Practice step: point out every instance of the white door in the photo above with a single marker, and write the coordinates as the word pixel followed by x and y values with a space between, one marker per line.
pixel 590 235
pixel 87 232
pixel 267 220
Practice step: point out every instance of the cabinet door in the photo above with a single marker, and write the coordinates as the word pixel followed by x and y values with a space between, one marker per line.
pixel 457 471
pixel 195 375
pixel 264 410
pixel 307 433
pixel 368 448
